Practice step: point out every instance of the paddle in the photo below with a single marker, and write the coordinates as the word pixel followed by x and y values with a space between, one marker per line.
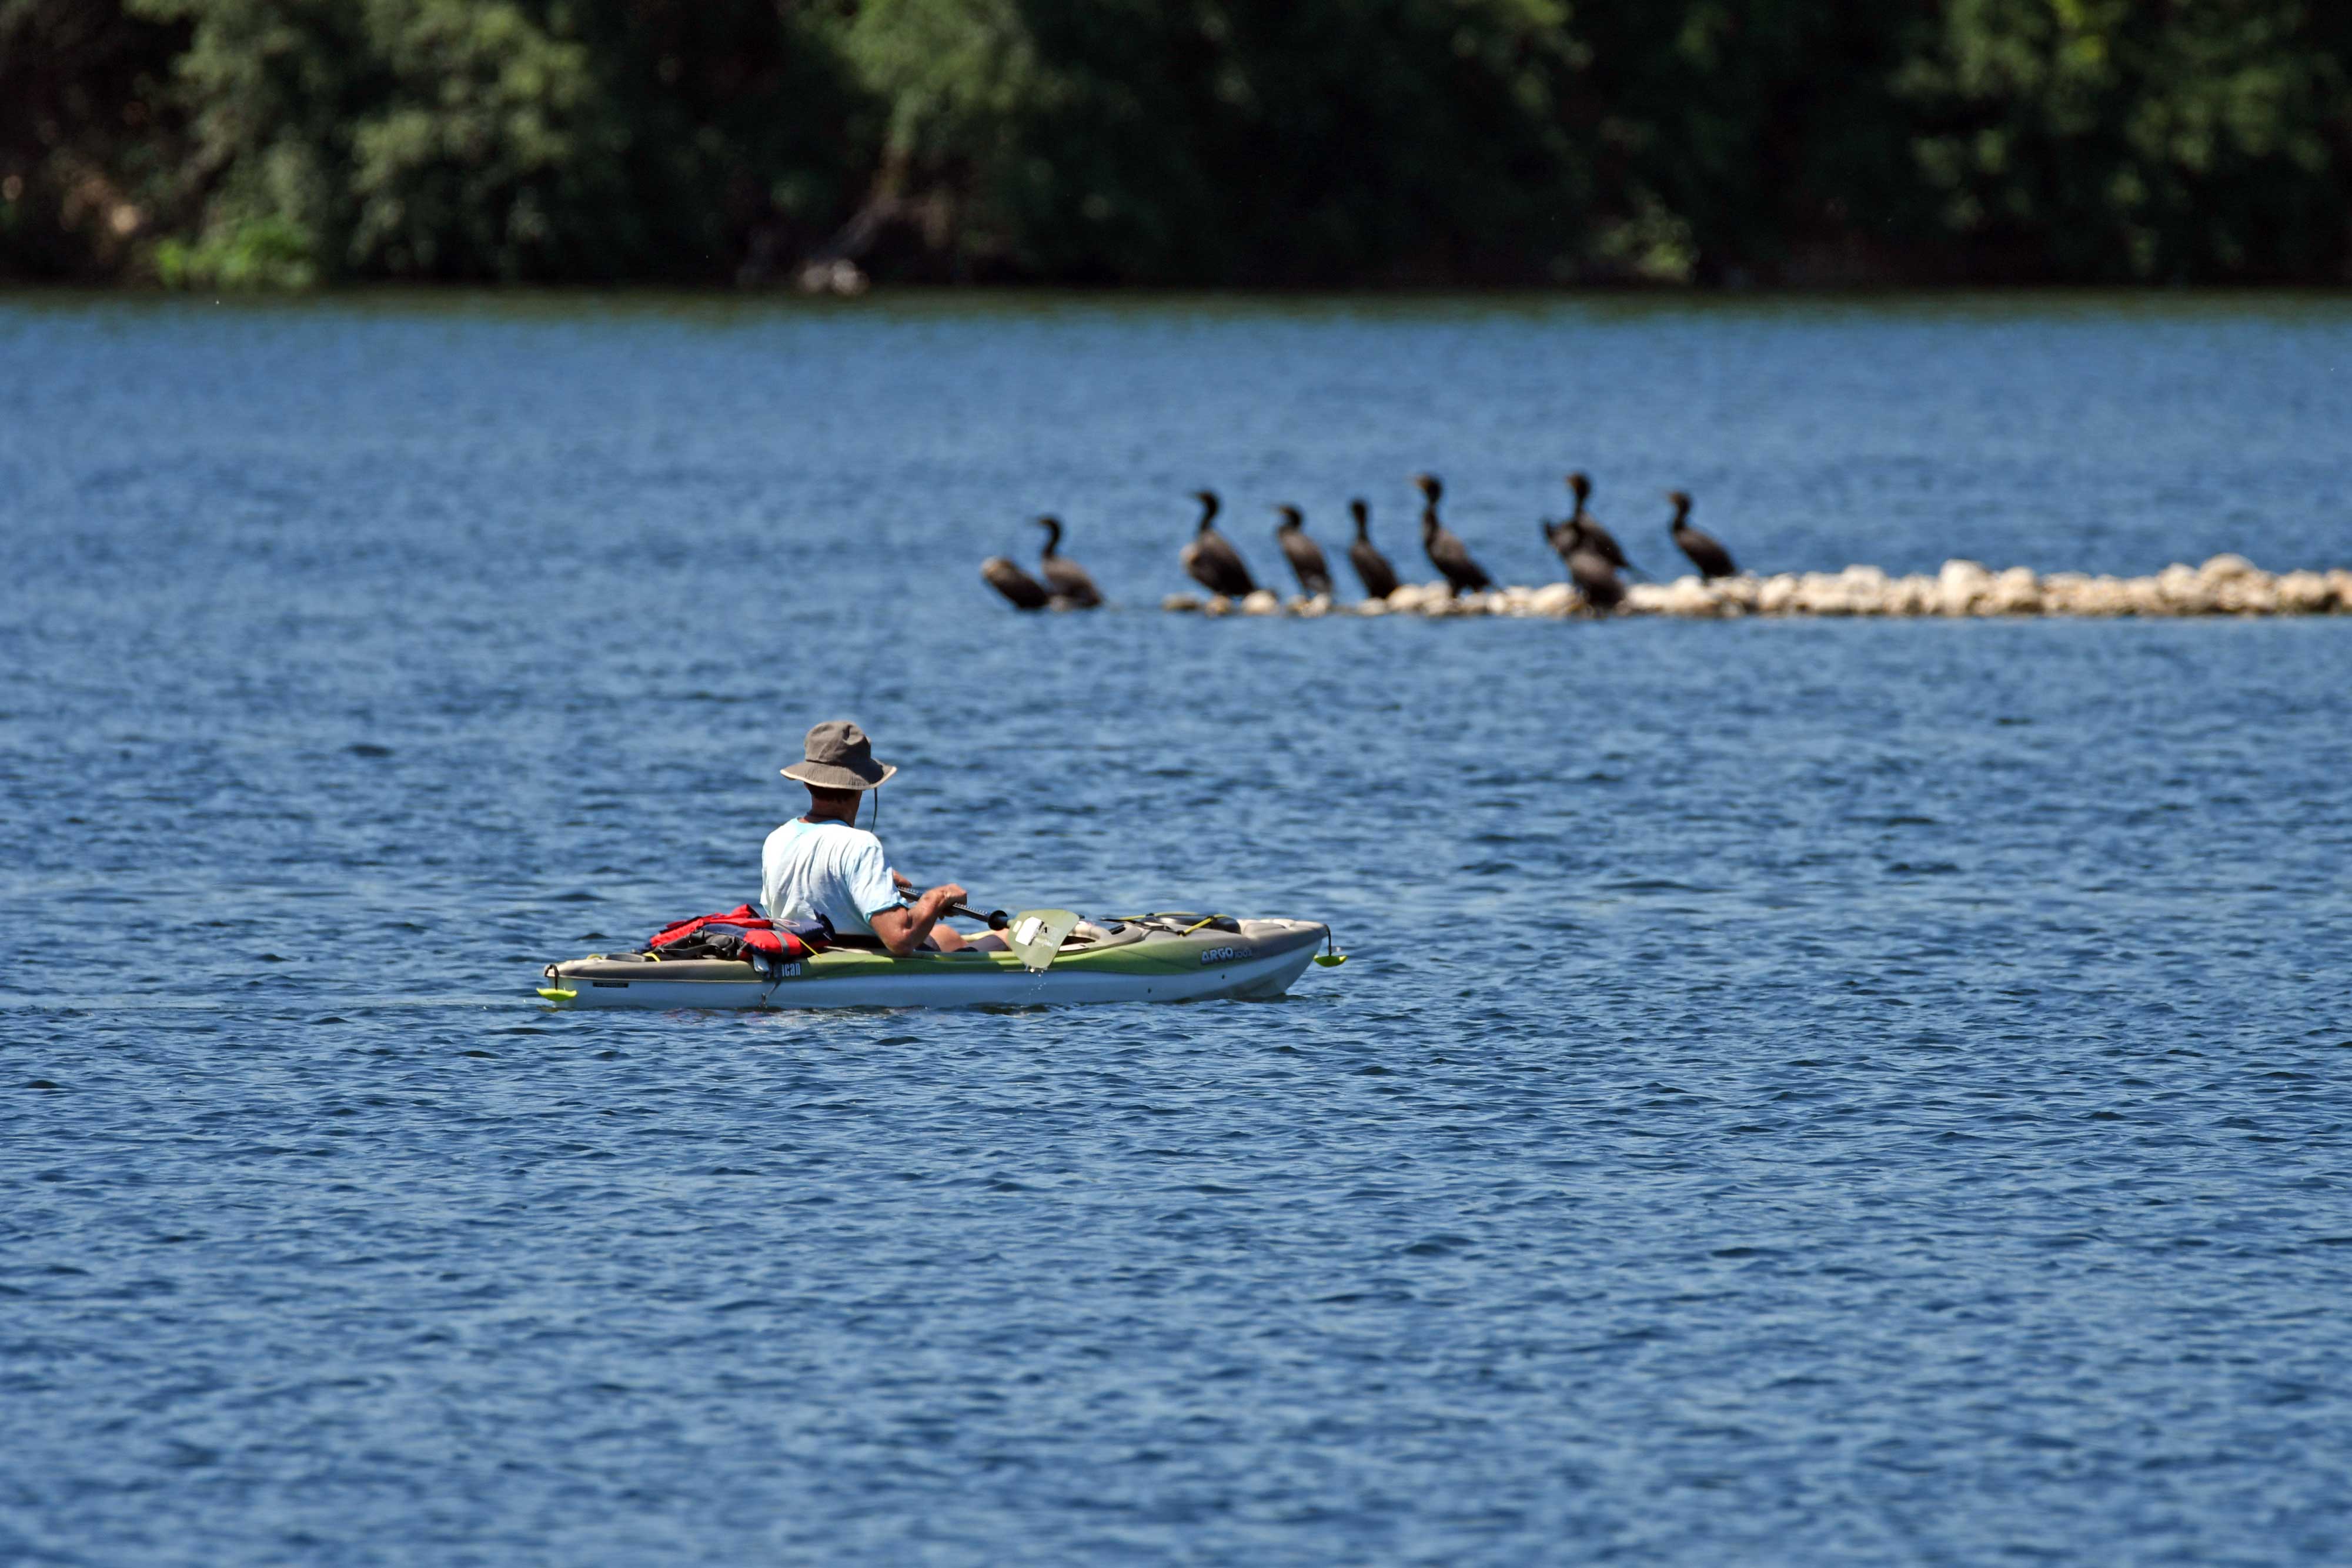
pixel 1037 934
pixel 1033 935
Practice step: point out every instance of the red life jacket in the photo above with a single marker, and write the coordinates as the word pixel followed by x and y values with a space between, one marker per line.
pixel 742 932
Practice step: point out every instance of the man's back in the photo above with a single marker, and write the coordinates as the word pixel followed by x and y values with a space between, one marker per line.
pixel 826 870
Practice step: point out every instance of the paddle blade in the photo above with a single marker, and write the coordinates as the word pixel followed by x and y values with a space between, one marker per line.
pixel 1037 934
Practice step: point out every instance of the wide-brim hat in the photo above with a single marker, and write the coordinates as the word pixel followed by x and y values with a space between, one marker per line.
pixel 839 757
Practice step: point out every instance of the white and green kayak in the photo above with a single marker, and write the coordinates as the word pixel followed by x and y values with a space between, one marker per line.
pixel 1167 958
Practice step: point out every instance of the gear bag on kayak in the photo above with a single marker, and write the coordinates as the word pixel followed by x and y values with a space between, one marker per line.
pixel 743 933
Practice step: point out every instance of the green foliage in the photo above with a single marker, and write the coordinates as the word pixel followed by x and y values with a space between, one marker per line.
pixel 2115 139
pixel 509 139
pixel 267 253
pixel 280 143
pixel 1164 141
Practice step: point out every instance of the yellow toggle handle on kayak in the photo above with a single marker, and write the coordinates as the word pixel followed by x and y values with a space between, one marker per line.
pixel 556 994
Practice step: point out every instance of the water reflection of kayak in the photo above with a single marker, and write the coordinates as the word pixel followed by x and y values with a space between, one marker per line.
pixel 1171 957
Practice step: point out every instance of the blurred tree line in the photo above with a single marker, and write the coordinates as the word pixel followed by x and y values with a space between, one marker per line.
pixel 1286 143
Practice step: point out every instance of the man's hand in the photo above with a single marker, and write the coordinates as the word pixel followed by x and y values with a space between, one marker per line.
pixel 905 884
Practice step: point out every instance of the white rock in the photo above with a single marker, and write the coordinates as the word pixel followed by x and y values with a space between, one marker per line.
pixel 1959 585
pixel 1835 593
pixel 1735 592
pixel 2254 595
pixel 2014 592
pixel 2183 591
pixel 1262 602
pixel 1687 596
pixel 1913 595
pixel 2103 596
pixel 2305 593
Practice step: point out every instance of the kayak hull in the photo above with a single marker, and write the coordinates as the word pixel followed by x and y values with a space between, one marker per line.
pixel 1258 960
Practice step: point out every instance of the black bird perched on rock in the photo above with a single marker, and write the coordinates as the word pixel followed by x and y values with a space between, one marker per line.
pixel 1211 559
pixel 1024 590
pixel 1596 538
pixel 1446 552
pixel 1594 574
pixel 1306 557
pixel 1373 567
pixel 1704 550
pixel 1065 579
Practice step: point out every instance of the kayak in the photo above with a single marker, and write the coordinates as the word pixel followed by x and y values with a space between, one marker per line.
pixel 1166 958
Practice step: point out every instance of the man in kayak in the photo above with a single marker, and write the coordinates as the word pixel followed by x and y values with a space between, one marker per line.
pixel 825 867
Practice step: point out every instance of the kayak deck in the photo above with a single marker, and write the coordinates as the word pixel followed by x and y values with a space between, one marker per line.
pixel 1149 958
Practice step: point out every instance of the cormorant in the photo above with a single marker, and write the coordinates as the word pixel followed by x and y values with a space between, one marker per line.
pixel 1024 590
pixel 1446 552
pixel 1594 575
pixel 1067 579
pixel 1373 567
pixel 1306 557
pixel 1704 550
pixel 1211 559
pixel 1597 539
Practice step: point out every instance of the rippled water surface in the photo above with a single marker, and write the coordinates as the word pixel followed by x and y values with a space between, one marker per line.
pixel 1807 1092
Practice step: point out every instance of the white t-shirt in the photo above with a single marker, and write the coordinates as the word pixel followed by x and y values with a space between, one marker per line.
pixel 828 869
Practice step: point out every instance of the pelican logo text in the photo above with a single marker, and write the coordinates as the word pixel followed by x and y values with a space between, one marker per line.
pixel 1219 955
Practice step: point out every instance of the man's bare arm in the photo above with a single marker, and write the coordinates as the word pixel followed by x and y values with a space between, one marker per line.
pixel 903 930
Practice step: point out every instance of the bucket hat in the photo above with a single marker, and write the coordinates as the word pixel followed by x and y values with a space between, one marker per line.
pixel 839 757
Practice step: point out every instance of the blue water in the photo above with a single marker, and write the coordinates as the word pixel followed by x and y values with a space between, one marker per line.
pixel 1807 1093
